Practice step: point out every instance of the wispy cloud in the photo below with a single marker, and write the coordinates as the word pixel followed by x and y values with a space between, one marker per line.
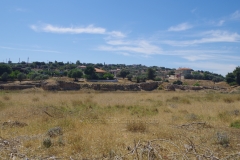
pixel 141 47
pixel 32 50
pixel 193 10
pixel 236 15
pixel 213 36
pixel 20 10
pixel 180 27
pixel 90 29
pixel 116 34
pixel 72 30
pixel 219 68
pixel 220 23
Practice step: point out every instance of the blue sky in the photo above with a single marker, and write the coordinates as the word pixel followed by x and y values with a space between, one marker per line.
pixel 202 35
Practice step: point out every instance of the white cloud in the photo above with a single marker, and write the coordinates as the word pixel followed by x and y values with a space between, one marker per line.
pixel 20 10
pixel 118 42
pixel 221 22
pixel 236 15
pixel 180 27
pixel 90 29
pixel 142 47
pixel 219 68
pixel 213 36
pixel 197 57
pixel 72 30
pixel 116 34
pixel 194 10
pixel 32 50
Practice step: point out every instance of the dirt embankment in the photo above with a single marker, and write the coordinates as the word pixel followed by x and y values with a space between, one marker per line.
pixel 62 85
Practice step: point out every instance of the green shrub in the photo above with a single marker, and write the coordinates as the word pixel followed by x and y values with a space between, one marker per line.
pixel 196 84
pixel 235 124
pixel 233 83
pixel 223 139
pixel 157 79
pixel 178 82
pixel 47 142
pixel 160 87
pixel 129 77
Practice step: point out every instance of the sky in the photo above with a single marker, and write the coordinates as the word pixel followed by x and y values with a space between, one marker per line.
pixel 198 34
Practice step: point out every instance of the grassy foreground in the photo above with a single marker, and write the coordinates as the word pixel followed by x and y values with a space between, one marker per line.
pixel 120 125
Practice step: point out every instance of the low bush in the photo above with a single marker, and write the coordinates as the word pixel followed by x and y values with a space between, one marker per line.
pixel 196 84
pixel 235 124
pixel 178 82
pixel 223 139
pixel 47 142
pixel 157 79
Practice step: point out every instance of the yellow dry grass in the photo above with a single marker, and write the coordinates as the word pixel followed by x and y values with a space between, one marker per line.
pixel 106 124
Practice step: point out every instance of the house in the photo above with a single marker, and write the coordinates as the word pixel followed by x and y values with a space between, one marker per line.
pixel 115 72
pixel 97 70
pixel 182 72
pixel 81 67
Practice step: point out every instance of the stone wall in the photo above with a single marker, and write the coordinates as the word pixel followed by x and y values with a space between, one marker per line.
pixel 50 86
pixel 62 85
pixel 17 87
pixel 68 85
pixel 149 86
pixel 172 87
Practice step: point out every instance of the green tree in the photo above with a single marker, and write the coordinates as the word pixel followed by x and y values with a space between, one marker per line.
pixel 78 62
pixel 13 74
pixel 188 76
pixel 129 77
pixel 21 76
pixel 90 72
pixel 123 73
pixel 108 76
pixel 77 74
pixel 236 73
pixel 171 72
pixel 4 76
pixel 5 68
pixel 151 73
pixel 178 82
pixel 230 78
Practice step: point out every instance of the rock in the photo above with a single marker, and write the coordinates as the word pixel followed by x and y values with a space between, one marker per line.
pixel 54 132
pixel 14 124
pixel 68 85
pixel 149 86
pixel 170 88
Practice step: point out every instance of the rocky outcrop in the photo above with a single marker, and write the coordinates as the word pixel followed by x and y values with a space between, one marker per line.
pixel 173 87
pixel 16 87
pixel 62 85
pixel 49 86
pixel 170 88
pixel 68 85
pixel 149 86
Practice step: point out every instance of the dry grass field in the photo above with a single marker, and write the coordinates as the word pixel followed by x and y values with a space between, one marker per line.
pixel 36 124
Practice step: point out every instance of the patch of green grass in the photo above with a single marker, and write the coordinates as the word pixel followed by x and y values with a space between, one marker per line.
pixel 235 124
